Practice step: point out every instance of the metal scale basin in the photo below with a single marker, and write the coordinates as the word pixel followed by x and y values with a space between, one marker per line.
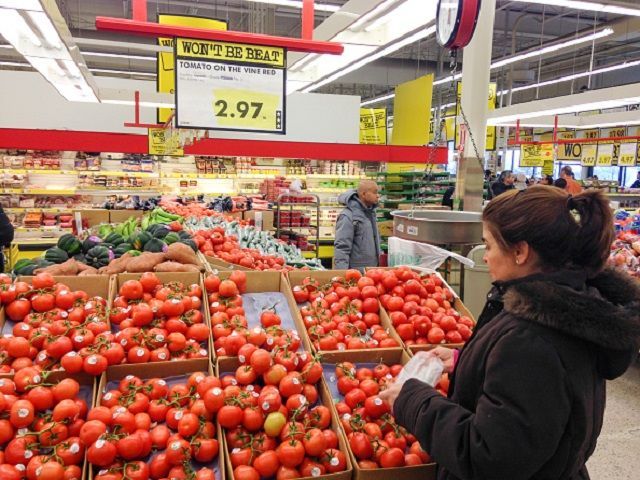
pixel 438 227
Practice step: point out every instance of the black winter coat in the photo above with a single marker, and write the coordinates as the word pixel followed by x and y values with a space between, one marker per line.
pixel 498 188
pixel 527 396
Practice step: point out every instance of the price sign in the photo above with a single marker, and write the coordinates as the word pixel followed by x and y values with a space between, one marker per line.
pixel 588 158
pixel 230 86
pixel 627 156
pixel 535 155
pixel 605 155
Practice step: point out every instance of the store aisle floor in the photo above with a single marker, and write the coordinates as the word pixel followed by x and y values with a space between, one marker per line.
pixel 616 456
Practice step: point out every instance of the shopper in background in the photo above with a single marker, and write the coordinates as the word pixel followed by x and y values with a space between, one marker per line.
pixel 560 183
pixel 503 183
pixel 546 180
pixel 357 239
pixel 6 235
pixel 636 184
pixel 520 182
pixel 527 393
pixel 489 178
pixel 572 187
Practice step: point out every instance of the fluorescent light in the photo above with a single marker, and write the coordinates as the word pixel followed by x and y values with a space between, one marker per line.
pixel 321 7
pixel 16 31
pixel 553 48
pixel 589 6
pixel 21 4
pixel 15 64
pixel 392 47
pixel 48 31
pixel 377 99
pixel 70 84
pixel 119 55
pixel 122 72
pixel 142 104
pixel 381 7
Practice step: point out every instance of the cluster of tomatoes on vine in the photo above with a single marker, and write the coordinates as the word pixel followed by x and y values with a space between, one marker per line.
pixel 373 436
pixel 343 314
pixel 159 322
pixel 53 327
pixel 230 327
pixel 41 426
pixel 139 417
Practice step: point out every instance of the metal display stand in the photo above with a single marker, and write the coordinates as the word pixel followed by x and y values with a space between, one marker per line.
pixel 283 224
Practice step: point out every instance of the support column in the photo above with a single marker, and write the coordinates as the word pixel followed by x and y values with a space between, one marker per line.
pixel 475 90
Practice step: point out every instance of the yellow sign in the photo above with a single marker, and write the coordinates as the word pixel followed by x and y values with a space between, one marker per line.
pixel 373 126
pixel 163 141
pixel 628 154
pixel 231 52
pixel 412 111
pixel 535 155
pixel 588 158
pixel 548 167
pixel 165 64
pixel 491 101
pixel 605 155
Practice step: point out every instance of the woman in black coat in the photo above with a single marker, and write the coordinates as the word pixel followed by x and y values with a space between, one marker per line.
pixel 527 394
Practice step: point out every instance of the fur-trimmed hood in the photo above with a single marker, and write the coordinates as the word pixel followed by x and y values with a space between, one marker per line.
pixel 604 311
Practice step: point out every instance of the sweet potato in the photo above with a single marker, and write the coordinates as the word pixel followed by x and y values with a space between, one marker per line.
pixel 145 262
pixel 88 271
pixel 176 267
pixel 179 252
pixel 70 267
pixel 119 265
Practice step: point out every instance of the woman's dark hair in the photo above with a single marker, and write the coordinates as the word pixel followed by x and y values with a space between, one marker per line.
pixel 504 174
pixel 544 217
pixel 560 183
pixel 549 179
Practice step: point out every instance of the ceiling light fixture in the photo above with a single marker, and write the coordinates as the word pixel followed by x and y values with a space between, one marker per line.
pixel 589 6
pixel 142 104
pixel 37 34
pixel 403 42
pixel 371 14
pixel 119 55
pixel 378 99
pixel 122 72
pixel 321 7
pixel 553 48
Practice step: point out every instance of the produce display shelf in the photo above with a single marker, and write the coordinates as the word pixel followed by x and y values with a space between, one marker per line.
pixel 39 209
pixel 108 173
pixel 130 191
pixel 43 229
pixel 611 194
pixel 36 171
pixel 40 191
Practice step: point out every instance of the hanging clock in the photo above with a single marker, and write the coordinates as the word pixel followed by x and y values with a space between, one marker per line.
pixel 456 22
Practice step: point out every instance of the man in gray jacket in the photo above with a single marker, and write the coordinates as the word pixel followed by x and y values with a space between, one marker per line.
pixel 357 238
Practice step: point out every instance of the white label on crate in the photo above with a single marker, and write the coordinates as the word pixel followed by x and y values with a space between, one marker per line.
pixel 412 230
pixel 400 228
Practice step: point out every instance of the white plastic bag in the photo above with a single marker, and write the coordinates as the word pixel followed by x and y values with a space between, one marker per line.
pixel 406 252
pixel 424 366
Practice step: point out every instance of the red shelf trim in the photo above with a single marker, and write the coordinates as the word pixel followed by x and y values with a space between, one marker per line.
pixel 132 143
pixel 156 30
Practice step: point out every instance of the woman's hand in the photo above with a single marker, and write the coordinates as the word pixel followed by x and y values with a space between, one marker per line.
pixel 446 356
pixel 391 393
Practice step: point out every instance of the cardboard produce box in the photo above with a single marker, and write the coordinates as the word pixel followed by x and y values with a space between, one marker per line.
pixel 186 278
pixel 265 282
pixel 93 216
pixel 262 219
pixel 212 264
pixel 456 305
pixel 369 358
pixel 296 278
pixel 178 371
pixel 230 364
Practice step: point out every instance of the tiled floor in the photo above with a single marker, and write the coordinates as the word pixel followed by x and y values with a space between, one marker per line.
pixel 617 455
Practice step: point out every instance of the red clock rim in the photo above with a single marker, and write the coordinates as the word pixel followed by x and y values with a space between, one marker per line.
pixel 467 20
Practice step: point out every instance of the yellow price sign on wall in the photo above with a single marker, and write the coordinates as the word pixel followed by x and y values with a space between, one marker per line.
pixel 230 86
pixel 588 158
pixel 163 141
pixel 628 154
pixel 535 155
pixel 604 157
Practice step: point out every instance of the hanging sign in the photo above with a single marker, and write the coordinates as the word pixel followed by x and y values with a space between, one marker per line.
pixel 535 155
pixel 548 167
pixel 230 86
pixel 604 157
pixel 588 158
pixel 373 126
pixel 628 153
pixel 165 79
pixel 164 141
